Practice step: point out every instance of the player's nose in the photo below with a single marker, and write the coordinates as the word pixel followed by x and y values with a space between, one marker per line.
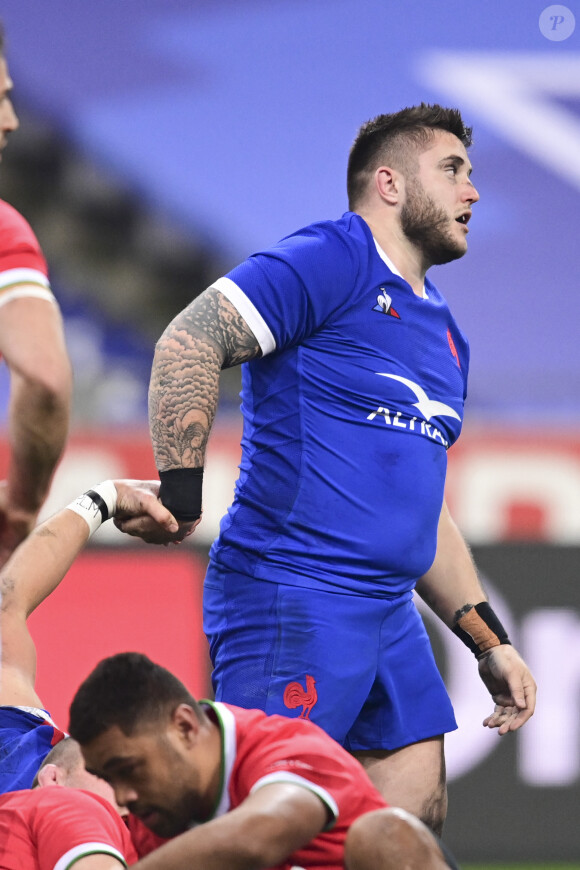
pixel 125 795
pixel 8 117
pixel 471 192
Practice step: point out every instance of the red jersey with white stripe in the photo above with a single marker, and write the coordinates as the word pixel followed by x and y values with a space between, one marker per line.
pixel 23 269
pixel 52 828
pixel 259 750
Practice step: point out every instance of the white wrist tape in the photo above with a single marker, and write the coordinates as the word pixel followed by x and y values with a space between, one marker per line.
pixel 96 505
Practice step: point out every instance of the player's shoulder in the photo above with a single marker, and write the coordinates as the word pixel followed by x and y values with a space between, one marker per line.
pixel 17 239
pixel 21 258
pixel 328 253
pixel 350 229
pixel 228 713
pixel 69 804
pixel 248 725
pixel 31 799
pixel 12 221
pixel 23 720
pixel 49 797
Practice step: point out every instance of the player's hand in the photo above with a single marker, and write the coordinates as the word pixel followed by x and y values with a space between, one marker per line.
pixel 511 685
pixel 141 514
pixel 15 524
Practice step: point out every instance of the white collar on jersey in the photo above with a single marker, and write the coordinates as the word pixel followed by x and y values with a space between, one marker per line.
pixel 227 724
pixel 35 711
pixel 391 265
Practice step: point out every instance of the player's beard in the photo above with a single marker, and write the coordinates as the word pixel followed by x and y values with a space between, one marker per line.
pixel 427 227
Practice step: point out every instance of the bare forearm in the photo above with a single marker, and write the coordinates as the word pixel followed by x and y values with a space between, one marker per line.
pixel 33 346
pixel 36 568
pixel 452 580
pixel 37 431
pixel 33 571
pixel 183 397
pixel 204 338
pixel 246 839
pixel 452 590
pixel 213 854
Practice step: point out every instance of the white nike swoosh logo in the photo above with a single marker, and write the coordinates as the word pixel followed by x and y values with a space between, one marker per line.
pixel 428 407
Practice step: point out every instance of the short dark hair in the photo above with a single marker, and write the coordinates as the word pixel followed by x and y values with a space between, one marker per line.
pixel 127 690
pixel 395 138
pixel 2 39
pixel 65 754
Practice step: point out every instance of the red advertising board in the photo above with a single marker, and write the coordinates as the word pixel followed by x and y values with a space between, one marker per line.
pixel 138 600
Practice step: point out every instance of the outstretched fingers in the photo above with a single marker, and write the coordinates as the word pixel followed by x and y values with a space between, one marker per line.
pixel 513 690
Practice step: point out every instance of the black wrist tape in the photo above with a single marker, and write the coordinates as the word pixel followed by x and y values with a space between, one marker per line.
pixel 180 492
pixel 480 629
pixel 100 503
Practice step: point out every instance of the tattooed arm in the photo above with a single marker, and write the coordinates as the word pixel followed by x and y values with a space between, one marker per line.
pixel 206 337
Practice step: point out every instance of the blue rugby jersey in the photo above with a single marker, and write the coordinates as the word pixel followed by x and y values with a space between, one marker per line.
pixel 347 415
pixel 26 737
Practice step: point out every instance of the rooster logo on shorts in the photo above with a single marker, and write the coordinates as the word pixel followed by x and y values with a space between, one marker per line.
pixel 295 696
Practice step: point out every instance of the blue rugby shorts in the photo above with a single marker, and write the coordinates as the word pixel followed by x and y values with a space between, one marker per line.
pixel 362 668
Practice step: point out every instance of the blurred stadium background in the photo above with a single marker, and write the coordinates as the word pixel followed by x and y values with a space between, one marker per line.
pixel 164 140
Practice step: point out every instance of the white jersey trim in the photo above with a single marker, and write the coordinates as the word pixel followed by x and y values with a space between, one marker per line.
pixel 249 312
pixel 9 277
pixel 69 858
pixel 391 265
pixel 34 711
pixel 23 283
pixel 228 724
pixel 28 292
pixel 287 776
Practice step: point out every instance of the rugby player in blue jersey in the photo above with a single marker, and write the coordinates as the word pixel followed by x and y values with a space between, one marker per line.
pixel 353 384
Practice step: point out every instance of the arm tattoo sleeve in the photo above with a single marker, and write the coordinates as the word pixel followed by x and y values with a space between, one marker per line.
pixel 204 338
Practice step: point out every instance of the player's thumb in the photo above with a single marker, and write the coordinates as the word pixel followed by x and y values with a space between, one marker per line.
pixel 517 690
pixel 161 515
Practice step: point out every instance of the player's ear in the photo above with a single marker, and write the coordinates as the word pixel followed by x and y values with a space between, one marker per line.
pixel 389 184
pixel 184 719
pixel 50 774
